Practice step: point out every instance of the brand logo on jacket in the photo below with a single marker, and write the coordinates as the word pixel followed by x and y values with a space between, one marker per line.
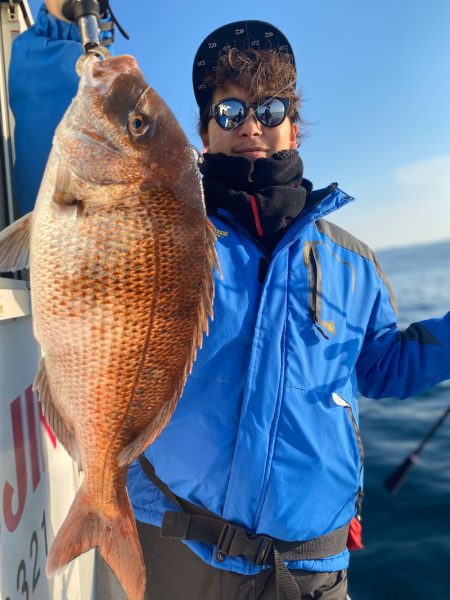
pixel 220 232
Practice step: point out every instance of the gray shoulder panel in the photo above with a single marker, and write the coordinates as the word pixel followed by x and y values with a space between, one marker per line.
pixel 344 239
pixel 349 242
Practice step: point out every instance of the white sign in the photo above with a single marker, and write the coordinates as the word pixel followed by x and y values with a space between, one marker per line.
pixel 38 480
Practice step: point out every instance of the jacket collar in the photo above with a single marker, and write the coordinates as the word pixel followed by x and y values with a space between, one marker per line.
pixel 319 203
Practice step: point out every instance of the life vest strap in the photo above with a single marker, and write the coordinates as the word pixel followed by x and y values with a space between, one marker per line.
pixel 199 524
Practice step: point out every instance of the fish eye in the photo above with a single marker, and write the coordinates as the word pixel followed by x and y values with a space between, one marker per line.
pixel 138 124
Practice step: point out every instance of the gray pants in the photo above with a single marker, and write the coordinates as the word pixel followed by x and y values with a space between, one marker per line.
pixel 175 573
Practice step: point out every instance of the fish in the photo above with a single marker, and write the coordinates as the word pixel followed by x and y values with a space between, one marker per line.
pixel 122 259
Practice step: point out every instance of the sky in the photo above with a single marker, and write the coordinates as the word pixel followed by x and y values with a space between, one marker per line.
pixel 375 81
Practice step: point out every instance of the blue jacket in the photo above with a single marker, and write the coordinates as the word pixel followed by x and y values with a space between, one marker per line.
pixel 266 431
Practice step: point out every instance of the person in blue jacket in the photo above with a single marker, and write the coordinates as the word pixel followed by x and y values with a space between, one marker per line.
pixel 254 488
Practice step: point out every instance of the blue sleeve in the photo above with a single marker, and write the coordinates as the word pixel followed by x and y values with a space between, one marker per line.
pixel 42 83
pixel 402 363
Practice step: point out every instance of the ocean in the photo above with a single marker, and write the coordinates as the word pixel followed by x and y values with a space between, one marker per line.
pixel 407 534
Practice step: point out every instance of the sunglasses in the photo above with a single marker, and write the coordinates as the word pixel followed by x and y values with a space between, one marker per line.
pixel 229 113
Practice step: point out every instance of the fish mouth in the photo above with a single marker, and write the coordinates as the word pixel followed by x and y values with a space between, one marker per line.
pixel 120 64
pixel 102 73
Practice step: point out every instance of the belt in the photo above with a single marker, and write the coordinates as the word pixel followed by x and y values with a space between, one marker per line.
pixel 199 524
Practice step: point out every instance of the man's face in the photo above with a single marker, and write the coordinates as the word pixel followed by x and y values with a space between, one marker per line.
pixel 251 138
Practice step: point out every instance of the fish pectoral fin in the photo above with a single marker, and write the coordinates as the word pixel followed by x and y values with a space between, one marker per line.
pixel 15 245
pixel 64 434
pixel 65 192
pixel 148 435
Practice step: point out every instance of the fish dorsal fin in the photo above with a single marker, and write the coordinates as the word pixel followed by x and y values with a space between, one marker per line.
pixel 15 245
pixel 64 434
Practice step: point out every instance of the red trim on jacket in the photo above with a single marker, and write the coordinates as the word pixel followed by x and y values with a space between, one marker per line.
pixel 254 206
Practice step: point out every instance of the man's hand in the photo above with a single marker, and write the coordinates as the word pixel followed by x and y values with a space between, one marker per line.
pixel 55 8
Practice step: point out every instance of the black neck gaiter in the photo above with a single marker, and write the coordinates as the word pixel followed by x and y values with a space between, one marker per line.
pixel 264 195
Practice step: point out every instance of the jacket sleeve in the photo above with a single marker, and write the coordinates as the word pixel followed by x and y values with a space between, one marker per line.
pixel 42 83
pixel 402 363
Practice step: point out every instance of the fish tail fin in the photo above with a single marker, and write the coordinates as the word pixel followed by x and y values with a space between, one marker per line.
pixel 116 538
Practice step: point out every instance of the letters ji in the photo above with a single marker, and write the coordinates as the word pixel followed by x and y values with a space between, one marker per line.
pixel 14 495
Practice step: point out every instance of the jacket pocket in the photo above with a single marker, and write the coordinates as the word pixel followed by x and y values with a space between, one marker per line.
pixel 337 399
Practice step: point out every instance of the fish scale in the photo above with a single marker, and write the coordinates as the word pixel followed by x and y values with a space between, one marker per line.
pixel 121 262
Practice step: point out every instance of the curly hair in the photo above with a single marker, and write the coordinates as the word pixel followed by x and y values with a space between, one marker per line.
pixel 260 72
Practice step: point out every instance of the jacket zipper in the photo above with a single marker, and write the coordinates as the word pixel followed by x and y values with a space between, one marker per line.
pixel 342 402
pixel 359 496
pixel 355 427
pixel 312 262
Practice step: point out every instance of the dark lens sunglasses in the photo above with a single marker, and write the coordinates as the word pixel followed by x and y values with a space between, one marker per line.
pixel 231 112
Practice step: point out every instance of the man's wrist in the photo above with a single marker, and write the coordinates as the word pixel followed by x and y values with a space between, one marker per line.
pixel 55 8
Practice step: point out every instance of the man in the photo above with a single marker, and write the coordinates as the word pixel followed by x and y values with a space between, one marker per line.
pixel 265 436
pixel 252 489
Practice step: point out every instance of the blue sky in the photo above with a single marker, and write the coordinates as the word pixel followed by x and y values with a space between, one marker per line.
pixel 375 80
